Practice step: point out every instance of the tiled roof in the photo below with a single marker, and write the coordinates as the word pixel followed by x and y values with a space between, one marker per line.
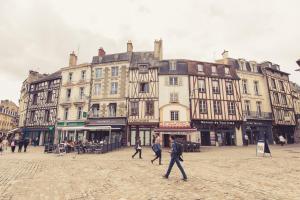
pixel 55 75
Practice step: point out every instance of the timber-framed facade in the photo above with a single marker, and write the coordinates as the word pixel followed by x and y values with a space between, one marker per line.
pixel 41 112
pixel 215 101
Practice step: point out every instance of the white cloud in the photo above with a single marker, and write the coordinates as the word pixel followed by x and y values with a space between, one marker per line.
pixel 40 34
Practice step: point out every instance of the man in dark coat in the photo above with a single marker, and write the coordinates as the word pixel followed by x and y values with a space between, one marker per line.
pixel 138 148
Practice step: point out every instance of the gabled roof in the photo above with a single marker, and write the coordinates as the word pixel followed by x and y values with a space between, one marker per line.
pixel 55 75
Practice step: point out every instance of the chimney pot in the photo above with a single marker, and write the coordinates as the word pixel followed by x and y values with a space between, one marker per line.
pixel 129 46
pixel 158 54
pixel 101 52
pixel 72 59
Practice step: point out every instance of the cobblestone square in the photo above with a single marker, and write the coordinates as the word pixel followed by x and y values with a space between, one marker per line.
pixel 214 173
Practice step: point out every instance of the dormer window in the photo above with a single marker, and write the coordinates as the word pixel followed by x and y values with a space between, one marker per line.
pixel 227 70
pixel 173 65
pixel 143 68
pixel 214 69
pixel 200 67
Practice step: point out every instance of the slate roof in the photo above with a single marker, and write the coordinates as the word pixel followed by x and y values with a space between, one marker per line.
pixel 146 57
pixel 53 76
pixel 117 57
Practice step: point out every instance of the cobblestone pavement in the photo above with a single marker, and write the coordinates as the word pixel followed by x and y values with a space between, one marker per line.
pixel 214 173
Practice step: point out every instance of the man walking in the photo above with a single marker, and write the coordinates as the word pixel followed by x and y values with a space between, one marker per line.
pixel 138 148
pixel 26 143
pixel 157 149
pixel 175 158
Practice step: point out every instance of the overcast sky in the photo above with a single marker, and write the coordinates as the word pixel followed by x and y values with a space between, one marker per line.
pixel 39 35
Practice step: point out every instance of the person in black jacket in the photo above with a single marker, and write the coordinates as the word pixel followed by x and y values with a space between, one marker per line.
pixel 26 143
pixel 138 148
pixel 20 144
pixel 175 158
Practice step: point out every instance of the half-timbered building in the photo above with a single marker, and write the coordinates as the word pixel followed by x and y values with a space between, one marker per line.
pixel 41 112
pixel 215 100
pixel 281 101
pixel 174 105
pixel 257 114
pixel 143 116
pixel 296 99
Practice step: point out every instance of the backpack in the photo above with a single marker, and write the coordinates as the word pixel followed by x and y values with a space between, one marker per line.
pixel 179 149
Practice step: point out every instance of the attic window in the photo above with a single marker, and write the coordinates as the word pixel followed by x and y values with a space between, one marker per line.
pixel 173 65
pixel 214 69
pixel 143 68
pixel 200 67
pixel 227 70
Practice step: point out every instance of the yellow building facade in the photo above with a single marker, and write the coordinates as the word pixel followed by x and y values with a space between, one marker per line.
pixel 8 116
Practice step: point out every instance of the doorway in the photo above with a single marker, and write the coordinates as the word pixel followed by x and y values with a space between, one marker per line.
pixel 205 138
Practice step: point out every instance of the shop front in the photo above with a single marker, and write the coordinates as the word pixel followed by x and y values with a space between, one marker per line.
pixel 70 131
pixel 286 131
pixel 106 129
pixel 181 130
pixel 218 133
pixel 39 135
pixel 257 130
pixel 145 131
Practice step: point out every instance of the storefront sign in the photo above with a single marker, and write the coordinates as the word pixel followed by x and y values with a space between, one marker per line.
pixel 260 148
pixel 217 122
pixel 174 125
pixel 106 122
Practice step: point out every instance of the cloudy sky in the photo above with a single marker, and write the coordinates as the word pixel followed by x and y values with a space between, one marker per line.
pixel 39 35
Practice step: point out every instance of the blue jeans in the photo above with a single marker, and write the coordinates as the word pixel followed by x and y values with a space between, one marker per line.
pixel 172 162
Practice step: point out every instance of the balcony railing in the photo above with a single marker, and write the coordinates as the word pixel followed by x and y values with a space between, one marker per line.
pixel 257 115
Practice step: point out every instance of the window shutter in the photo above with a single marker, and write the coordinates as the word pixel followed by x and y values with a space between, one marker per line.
pixel 180 81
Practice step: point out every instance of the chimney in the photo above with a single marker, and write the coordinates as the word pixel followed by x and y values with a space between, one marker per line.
pixel 72 59
pixel 129 46
pixel 225 54
pixel 101 52
pixel 158 54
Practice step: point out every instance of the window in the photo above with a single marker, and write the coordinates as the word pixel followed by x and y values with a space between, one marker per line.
pixel 35 99
pixel 49 96
pixel 68 94
pixel 143 68
pixel 70 77
pixel 201 84
pixel 279 114
pixel 245 86
pixel 81 93
pixel 200 67
pixel 97 89
pixel 276 98
pixel 114 88
pixel 227 70
pixel 229 88
pixel 114 71
pixel 174 115
pixel 134 108
pixel 283 99
pixel 112 108
pixel 281 85
pixel 202 106
pixel 83 75
pixel 173 65
pixel 47 116
pixel 79 112
pixel 98 72
pixel 214 69
pixel 66 113
pixel 149 108
pixel 258 109
pixel 95 110
pixel 231 108
pixel 215 87
pixel 256 88
pixel 217 108
pixel 247 107
pixel 273 83
pixel 173 80
pixel 173 97
pixel 32 116
pixel 144 87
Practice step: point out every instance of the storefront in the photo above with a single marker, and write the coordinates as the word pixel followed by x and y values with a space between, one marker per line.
pixel 144 131
pixel 286 131
pixel 218 133
pixel 39 136
pixel 70 131
pixel 257 130
pixel 106 129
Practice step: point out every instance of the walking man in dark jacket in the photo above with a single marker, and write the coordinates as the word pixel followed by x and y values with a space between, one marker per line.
pixel 26 143
pixel 175 158
pixel 138 148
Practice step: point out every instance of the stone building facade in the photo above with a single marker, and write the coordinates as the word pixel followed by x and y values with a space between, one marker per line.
pixel 8 116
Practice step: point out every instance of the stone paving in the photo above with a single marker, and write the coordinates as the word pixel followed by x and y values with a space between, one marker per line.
pixel 214 173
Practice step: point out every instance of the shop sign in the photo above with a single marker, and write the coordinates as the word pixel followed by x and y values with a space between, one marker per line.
pixel 260 148
pixel 174 125
pixel 60 123
pixel 84 114
pixel 217 122
pixel 138 120
pixel 75 124
pixel 106 122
